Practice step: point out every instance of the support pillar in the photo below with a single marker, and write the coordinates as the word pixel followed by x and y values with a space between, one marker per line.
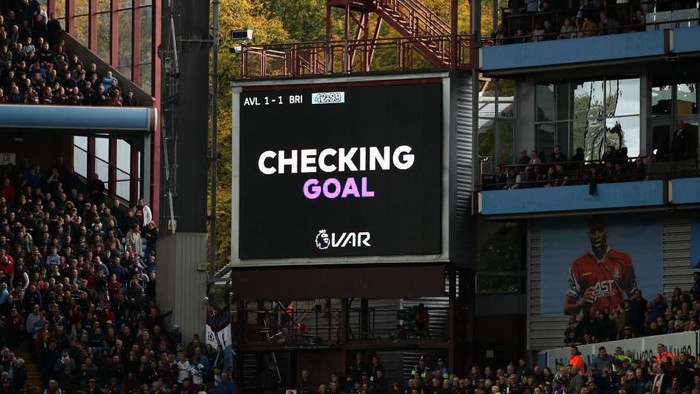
pixel 182 281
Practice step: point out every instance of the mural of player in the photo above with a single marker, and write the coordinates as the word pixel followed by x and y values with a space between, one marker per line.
pixel 601 278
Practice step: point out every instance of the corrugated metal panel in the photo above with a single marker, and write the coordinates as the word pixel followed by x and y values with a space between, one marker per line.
pixel 182 276
pixel 544 331
pixel 382 320
pixel 437 307
pixel 464 150
pixel 677 271
pixel 393 365
pixel 462 239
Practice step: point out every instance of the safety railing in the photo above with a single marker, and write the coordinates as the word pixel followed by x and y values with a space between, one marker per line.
pixel 521 176
pixel 322 327
pixel 356 56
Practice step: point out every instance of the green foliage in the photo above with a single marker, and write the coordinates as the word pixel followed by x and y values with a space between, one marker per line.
pixel 501 256
pixel 304 20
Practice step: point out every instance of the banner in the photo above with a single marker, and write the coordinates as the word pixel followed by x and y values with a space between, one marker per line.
pixel 642 348
pixel 595 263
pixel 218 333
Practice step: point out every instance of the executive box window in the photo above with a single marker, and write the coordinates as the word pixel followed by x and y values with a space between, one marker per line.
pixel 496 124
pixel 591 114
pixel 674 99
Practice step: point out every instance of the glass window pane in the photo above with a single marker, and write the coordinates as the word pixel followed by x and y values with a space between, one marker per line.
pixel 139 177
pixel 60 12
pixel 146 35
pixel 103 37
pixel 146 78
pixel 506 148
pixel 577 136
pixel 626 135
pixel 146 2
pixel 123 156
pixel 487 139
pixel 82 30
pixel 82 7
pixel 562 140
pixel 102 148
pixel 622 97
pixel 125 70
pixel 80 161
pixel 491 88
pixel 661 141
pixel 102 170
pixel 589 120
pixel 506 107
pixel 545 97
pixel 661 97
pixel 125 43
pixel 80 142
pixel 103 5
pixel 694 150
pixel 545 134
pixel 123 184
pixel 686 99
pixel 506 87
pixel 123 4
pixel 588 101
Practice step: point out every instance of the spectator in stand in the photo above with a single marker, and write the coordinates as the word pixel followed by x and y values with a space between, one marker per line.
pixel 603 360
pixel 538 32
pixel 567 29
pixel 589 28
pixel 143 213
pixel 549 31
pixel 524 159
pixel 108 81
pixel 514 179
pixel 575 360
pixel 662 354
pixel 558 156
pixel 96 189
pixel 680 145
pixel 500 178
pixel 638 172
pixel 130 100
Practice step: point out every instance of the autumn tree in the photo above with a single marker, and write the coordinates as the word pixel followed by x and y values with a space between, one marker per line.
pixel 284 21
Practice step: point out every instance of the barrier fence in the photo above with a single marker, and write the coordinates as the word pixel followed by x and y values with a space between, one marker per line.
pixel 643 348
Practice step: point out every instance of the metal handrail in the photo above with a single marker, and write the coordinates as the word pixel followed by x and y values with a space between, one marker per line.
pixel 327 57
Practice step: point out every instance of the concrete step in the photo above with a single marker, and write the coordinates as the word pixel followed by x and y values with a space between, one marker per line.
pixel 33 376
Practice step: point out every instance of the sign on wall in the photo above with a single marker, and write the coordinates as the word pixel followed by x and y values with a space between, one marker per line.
pixel 595 263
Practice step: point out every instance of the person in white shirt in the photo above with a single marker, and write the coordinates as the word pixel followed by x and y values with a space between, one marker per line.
pixel 183 367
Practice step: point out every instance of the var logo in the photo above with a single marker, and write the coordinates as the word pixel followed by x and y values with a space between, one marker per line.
pixel 324 240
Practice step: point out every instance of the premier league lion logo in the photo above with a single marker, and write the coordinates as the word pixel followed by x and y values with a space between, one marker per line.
pixel 323 241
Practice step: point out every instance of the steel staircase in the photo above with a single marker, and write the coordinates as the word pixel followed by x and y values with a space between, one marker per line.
pixel 413 20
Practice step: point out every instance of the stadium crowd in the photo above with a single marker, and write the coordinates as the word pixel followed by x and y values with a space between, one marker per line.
pixel 617 373
pixel 77 287
pixel 538 170
pixel 543 20
pixel 36 69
